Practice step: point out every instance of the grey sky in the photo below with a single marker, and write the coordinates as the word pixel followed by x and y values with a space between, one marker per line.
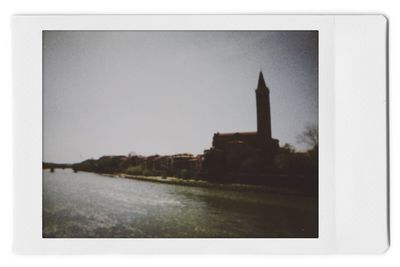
pixel 108 93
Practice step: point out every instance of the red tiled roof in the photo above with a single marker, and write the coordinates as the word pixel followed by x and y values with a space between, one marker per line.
pixel 239 133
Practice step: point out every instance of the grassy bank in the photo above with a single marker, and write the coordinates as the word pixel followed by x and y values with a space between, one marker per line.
pixel 202 183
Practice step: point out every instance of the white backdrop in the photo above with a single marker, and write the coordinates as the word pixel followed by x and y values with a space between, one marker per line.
pixel 207 6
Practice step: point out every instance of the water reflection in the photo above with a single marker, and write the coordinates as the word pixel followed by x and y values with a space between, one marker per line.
pixel 90 205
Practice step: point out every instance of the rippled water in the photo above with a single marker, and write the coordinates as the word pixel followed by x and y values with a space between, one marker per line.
pixel 90 205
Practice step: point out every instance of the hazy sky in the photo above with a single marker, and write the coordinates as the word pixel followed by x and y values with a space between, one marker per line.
pixel 116 92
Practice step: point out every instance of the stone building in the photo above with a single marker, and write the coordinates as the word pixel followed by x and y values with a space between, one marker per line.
pixel 244 151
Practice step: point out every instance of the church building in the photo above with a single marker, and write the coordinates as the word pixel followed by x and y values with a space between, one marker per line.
pixel 262 138
pixel 244 152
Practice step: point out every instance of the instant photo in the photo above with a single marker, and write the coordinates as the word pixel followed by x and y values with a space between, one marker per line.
pixel 180 134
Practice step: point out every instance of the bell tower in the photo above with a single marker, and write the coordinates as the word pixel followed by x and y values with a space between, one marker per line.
pixel 263 110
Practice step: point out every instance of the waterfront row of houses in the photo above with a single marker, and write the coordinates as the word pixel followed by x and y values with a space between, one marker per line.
pixel 170 162
pixel 155 163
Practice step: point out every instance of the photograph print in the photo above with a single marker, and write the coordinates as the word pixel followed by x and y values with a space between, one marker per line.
pixel 180 134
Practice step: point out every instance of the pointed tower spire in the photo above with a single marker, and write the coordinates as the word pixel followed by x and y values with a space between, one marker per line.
pixel 263 110
pixel 261 81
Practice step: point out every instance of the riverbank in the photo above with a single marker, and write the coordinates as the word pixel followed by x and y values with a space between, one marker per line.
pixel 202 183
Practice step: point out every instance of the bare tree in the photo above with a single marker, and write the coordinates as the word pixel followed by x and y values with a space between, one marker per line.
pixel 309 136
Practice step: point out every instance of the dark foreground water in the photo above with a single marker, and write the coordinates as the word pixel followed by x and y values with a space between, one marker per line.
pixel 90 205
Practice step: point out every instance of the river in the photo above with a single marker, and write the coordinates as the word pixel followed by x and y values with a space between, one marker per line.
pixel 90 205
